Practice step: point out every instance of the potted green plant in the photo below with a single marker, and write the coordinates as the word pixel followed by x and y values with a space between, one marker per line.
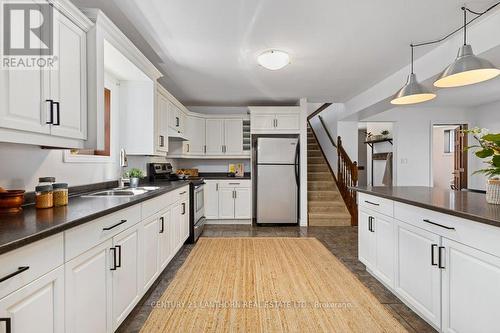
pixel 385 133
pixel 134 175
pixel 488 148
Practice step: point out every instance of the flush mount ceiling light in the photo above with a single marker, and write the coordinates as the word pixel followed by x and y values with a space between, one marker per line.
pixel 412 92
pixel 273 59
pixel 467 68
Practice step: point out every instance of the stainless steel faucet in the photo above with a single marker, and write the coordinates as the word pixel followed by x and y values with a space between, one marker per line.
pixel 123 165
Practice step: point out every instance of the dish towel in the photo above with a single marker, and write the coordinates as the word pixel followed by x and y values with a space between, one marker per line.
pixel 387 180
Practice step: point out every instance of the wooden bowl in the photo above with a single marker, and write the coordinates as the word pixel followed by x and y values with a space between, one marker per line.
pixel 11 201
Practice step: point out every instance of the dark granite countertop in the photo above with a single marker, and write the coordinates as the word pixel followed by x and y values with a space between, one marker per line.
pixel 467 205
pixel 33 224
pixel 222 176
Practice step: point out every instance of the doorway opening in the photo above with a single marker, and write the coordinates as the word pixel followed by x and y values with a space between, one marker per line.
pixel 449 160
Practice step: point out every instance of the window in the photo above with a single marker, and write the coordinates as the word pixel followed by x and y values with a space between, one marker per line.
pixel 449 141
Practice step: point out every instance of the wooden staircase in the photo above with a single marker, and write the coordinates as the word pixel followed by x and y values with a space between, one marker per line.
pixel 325 204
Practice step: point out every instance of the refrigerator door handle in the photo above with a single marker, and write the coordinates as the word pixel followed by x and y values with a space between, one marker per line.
pixel 297 160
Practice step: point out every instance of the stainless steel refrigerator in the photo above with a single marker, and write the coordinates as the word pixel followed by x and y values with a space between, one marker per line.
pixel 277 168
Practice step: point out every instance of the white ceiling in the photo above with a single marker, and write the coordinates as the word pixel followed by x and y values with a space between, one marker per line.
pixel 207 49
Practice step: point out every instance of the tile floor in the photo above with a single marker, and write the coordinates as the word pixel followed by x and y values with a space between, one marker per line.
pixel 341 241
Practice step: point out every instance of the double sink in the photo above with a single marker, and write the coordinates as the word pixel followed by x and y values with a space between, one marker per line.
pixel 123 192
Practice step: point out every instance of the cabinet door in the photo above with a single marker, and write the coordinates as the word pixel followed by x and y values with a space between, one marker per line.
pixel 175 224
pixel 150 241
pixel 88 291
pixel 173 116
pixel 182 120
pixel 211 197
pixel 285 121
pixel 226 203
pixel 162 122
pixel 184 221
pixel 68 83
pixel 418 278
pixel 37 307
pixel 164 239
pixel 383 229
pixel 366 239
pixel 262 121
pixel 214 136
pixel 471 289
pixel 126 286
pixel 242 203
pixel 22 102
pixel 195 133
pixel 233 136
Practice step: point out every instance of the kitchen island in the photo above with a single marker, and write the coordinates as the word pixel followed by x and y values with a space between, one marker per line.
pixel 437 250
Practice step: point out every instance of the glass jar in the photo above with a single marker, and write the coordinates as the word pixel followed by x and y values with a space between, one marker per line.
pixel 60 194
pixel 42 181
pixel 44 196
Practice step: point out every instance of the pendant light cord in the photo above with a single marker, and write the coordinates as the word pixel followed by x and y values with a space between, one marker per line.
pixel 465 9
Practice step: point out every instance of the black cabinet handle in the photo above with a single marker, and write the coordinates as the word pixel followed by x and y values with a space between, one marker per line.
pixel 11 275
pixel 8 326
pixel 372 203
pixel 440 258
pixel 162 224
pixel 182 193
pixel 177 122
pixel 114 226
pixel 437 224
pixel 119 264
pixel 370 224
pixel 114 258
pixel 162 141
pixel 433 246
pixel 183 208
pixel 51 121
pixel 58 114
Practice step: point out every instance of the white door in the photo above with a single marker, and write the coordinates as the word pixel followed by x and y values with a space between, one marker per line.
pixel 214 136
pixel 233 136
pixel 242 203
pixel 126 286
pixel 68 83
pixel 37 307
pixel 195 133
pixel 226 203
pixel 383 229
pixel 263 121
pixel 162 114
pixel 88 291
pixel 151 229
pixel 471 289
pixel 287 121
pixel 211 198
pixel 164 239
pixel 417 276
pixel 366 239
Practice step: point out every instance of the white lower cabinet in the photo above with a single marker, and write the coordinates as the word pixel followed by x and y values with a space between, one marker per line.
pixel 88 291
pixel 471 289
pixel 226 203
pixel 242 203
pixel 211 199
pixel 228 200
pixel 165 248
pixel 36 307
pixel 418 277
pixel 151 229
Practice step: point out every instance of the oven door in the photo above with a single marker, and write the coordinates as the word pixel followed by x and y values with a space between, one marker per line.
pixel 199 199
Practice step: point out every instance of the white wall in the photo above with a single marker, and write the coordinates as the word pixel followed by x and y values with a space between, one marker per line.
pixel 442 162
pixel 379 166
pixel 204 165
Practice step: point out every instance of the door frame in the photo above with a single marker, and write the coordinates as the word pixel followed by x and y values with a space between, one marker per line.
pixel 431 141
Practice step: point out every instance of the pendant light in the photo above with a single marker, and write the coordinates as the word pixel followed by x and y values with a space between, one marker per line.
pixel 467 68
pixel 412 92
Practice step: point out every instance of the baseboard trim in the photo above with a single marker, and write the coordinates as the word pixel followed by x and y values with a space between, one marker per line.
pixel 246 221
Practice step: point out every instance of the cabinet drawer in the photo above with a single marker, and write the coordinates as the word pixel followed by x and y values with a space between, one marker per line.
pixel 154 205
pixel 475 234
pixel 377 204
pixel 39 258
pixel 245 183
pixel 88 235
pixel 180 194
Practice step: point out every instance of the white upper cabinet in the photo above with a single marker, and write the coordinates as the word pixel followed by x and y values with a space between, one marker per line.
pixel 214 136
pixel 233 136
pixel 195 133
pixel 162 106
pixel 275 119
pixel 49 106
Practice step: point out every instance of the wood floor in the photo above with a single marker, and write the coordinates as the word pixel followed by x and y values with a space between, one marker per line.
pixel 325 203
pixel 340 241
pixel 267 284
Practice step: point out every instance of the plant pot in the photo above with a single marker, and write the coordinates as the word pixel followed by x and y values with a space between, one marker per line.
pixel 493 191
pixel 134 182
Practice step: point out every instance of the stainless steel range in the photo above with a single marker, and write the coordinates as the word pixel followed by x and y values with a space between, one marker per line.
pixel 163 172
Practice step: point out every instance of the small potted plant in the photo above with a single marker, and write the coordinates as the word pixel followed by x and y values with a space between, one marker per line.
pixel 134 175
pixel 488 147
pixel 385 134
